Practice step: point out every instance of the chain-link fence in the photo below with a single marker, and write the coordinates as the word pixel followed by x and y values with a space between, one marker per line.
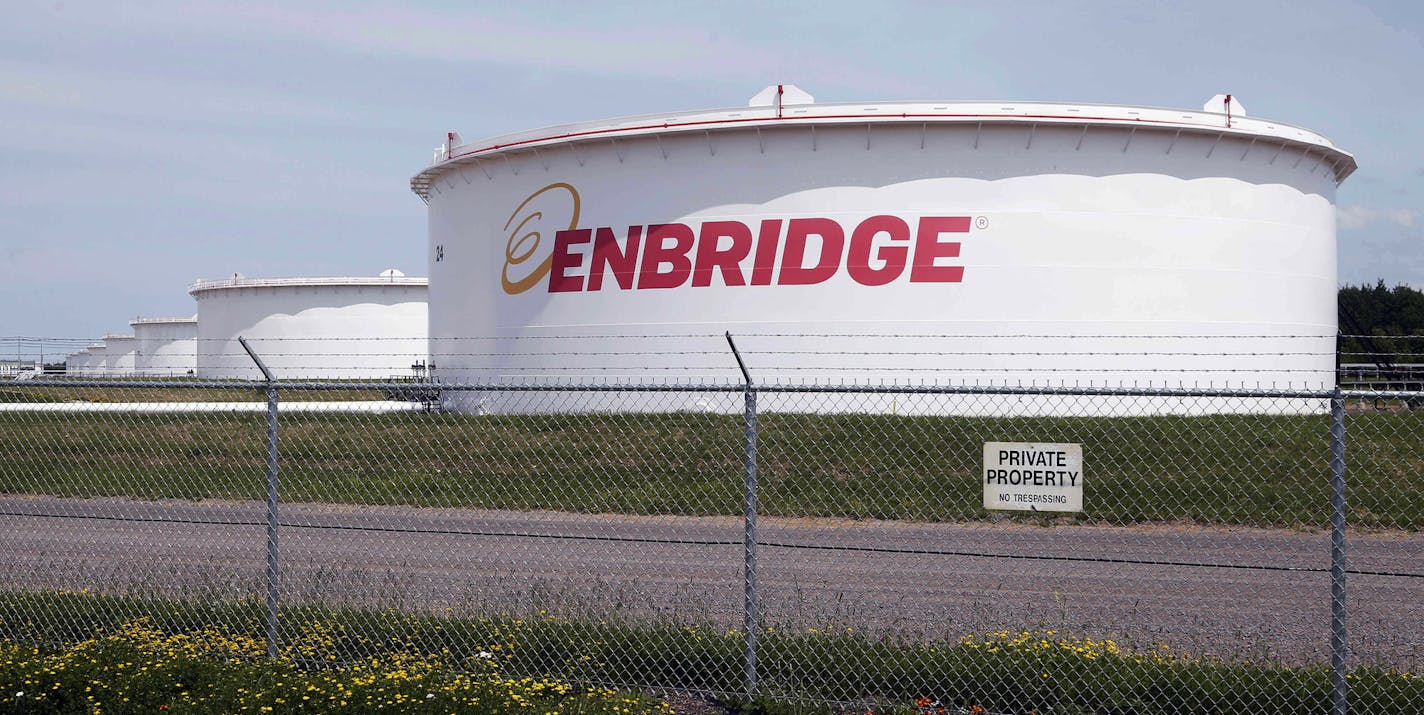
pixel 829 545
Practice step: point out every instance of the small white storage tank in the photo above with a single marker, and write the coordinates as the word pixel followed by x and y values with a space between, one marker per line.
pixel 982 243
pixel 98 362
pixel 76 364
pixel 167 347
pixel 312 328
pixel 120 355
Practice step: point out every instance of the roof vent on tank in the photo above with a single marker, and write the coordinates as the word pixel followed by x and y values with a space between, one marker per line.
pixel 781 95
pixel 1224 104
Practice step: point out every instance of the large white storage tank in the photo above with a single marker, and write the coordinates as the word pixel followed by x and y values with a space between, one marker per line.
pixel 948 242
pixel 167 347
pixel 120 355
pixel 312 328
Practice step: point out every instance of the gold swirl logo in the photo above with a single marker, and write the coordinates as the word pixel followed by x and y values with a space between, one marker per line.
pixel 524 238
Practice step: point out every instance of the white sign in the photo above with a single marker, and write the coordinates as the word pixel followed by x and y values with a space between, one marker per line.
pixel 1022 476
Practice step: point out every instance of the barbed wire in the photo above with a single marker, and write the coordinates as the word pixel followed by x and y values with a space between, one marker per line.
pixel 753 334
pixel 783 368
pixel 38 339
pixel 838 353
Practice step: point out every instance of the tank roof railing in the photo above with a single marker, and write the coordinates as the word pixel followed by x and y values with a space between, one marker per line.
pixel 224 283
pixel 913 112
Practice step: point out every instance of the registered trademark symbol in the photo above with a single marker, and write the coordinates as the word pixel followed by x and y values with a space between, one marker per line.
pixel 981 222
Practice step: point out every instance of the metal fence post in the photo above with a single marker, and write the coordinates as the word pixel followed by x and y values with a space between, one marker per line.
pixel 749 536
pixel 274 569
pixel 1339 685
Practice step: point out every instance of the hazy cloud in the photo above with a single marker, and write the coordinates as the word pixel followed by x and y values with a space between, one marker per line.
pixel 1356 218
pixel 106 92
pixel 594 40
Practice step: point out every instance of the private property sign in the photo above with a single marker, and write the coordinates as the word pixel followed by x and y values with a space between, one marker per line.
pixel 1022 476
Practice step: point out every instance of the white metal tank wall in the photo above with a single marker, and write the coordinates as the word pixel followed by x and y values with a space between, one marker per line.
pixel 166 346
pixel 1132 238
pixel 312 328
pixel 77 363
pixel 98 362
pixel 121 354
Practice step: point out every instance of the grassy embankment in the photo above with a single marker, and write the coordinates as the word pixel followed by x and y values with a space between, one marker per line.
pixel 1215 469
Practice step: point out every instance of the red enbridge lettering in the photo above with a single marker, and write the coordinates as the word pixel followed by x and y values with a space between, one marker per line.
pixel 657 253
pixel 608 257
pixel 861 243
pixel 811 251
pixel 928 247
pixel 710 254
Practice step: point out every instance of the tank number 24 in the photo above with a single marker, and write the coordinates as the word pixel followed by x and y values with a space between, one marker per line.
pixel 439 253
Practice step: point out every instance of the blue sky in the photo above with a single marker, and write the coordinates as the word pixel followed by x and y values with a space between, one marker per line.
pixel 144 145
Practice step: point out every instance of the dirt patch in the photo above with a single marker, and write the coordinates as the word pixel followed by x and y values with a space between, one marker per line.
pixel 686 703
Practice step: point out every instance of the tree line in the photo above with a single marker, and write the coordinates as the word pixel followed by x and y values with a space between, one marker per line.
pixel 1391 318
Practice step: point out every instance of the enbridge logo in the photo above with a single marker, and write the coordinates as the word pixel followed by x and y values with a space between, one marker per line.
pixel 775 251
pixel 522 245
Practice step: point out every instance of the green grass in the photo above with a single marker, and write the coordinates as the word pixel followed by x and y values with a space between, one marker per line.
pixel 1260 470
pixel 24 396
pixel 1010 672
pixel 1225 469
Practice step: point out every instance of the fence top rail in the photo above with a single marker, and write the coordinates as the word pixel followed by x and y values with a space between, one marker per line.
pixel 416 387
pixel 1382 394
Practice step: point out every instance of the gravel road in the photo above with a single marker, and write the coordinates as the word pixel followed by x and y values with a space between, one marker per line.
pixel 1220 591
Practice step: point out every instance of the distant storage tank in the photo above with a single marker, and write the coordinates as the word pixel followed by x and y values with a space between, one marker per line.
pixel 339 328
pixel 98 360
pixel 167 347
pixel 76 364
pixel 120 355
pixel 948 242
